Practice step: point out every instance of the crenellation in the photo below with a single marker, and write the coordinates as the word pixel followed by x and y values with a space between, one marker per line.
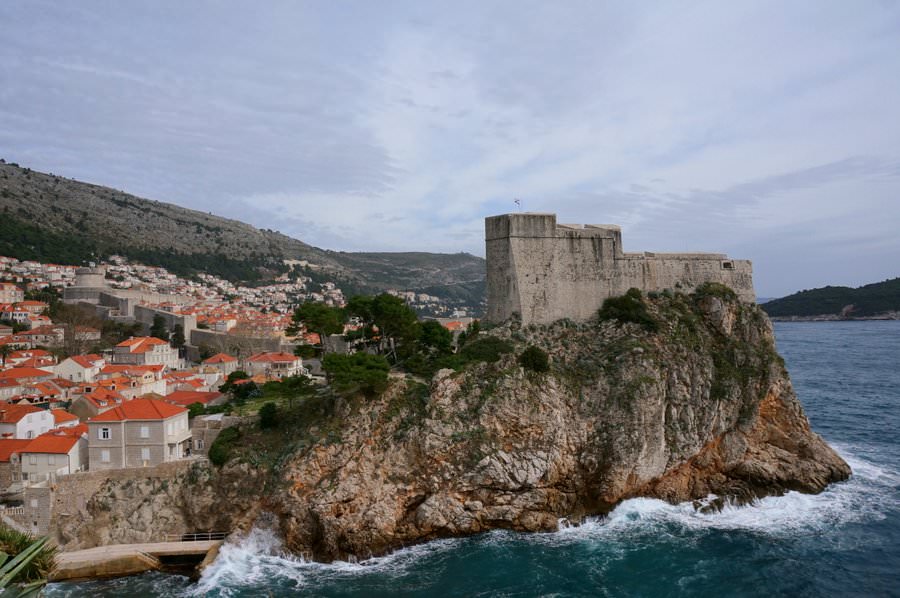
pixel 546 271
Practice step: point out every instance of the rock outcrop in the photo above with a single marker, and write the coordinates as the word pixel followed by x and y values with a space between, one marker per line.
pixel 698 404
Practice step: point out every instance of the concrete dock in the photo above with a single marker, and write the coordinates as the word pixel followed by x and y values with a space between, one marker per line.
pixel 128 559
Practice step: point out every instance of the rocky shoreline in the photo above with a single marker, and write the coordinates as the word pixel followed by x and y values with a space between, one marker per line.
pixel 699 405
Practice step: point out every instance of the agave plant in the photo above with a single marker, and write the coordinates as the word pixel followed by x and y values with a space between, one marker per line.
pixel 25 574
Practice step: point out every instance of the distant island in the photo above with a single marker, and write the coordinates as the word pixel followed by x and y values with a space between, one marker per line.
pixel 877 301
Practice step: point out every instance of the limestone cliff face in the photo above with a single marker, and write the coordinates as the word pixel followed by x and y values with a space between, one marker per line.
pixel 701 406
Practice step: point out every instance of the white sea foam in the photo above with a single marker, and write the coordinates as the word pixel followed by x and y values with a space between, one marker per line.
pixel 871 492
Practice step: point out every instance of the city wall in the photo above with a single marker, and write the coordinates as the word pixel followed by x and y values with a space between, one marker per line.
pixel 546 271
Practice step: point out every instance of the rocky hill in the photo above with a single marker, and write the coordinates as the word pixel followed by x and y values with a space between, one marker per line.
pixel 51 218
pixel 879 300
pixel 688 400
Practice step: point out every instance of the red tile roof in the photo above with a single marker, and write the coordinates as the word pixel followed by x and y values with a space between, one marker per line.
pixel 273 357
pixel 220 358
pixel 11 414
pixel 87 361
pixel 53 443
pixel 26 372
pixel 141 344
pixel 8 446
pixel 61 416
pixel 189 397
pixel 139 409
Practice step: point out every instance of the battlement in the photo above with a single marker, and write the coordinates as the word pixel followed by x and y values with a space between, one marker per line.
pixel 546 271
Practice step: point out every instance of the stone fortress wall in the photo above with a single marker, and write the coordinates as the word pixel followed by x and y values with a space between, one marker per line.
pixel 546 271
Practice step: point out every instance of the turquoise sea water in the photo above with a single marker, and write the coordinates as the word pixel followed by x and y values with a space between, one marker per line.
pixel 842 542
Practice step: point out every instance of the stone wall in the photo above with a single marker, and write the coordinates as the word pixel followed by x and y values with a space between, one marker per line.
pixel 70 494
pixel 546 271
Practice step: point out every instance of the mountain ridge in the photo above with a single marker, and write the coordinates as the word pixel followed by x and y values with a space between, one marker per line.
pixel 51 218
pixel 875 300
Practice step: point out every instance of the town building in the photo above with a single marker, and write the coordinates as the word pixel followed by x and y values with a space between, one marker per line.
pixel 24 421
pixel 274 365
pixel 138 433
pixel 146 350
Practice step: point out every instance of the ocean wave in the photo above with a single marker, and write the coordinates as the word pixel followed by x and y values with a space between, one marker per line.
pixel 870 493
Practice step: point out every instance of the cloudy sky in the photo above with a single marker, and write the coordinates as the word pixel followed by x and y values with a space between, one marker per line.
pixel 767 130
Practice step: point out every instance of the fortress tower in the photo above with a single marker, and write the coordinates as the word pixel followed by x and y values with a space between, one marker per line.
pixel 547 271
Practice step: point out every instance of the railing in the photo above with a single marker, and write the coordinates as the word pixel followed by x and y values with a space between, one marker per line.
pixel 196 537
pixel 10 511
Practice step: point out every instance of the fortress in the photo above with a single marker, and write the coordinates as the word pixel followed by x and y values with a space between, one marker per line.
pixel 546 271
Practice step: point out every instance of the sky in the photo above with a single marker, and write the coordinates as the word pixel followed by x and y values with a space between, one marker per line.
pixel 766 130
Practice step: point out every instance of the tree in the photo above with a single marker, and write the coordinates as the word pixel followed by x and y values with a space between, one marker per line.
pixel 5 351
pixel 178 341
pixel 534 359
pixel 360 372
pixel 159 329
pixel 394 318
pixel 195 409
pixel 321 318
pixel 436 336
pixel 232 378
pixel 268 416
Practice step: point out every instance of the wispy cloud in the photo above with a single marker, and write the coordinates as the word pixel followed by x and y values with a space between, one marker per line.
pixel 762 129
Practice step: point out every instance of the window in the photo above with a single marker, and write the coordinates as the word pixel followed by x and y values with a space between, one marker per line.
pixel 199 443
pixel 145 454
pixel 104 456
pixel 32 459
pixel 171 428
pixel 34 503
pixel 728 265
pixel 104 433
pixel 145 431
pixel 29 434
pixel 51 460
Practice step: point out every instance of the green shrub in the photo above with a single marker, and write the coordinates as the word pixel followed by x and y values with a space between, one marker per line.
pixel 630 307
pixel 715 289
pixel 360 372
pixel 534 359
pixel 268 416
pixel 486 348
pixel 220 451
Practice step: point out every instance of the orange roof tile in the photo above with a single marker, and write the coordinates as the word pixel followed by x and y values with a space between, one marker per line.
pixel 273 357
pixel 61 416
pixel 188 397
pixel 52 443
pixel 220 358
pixel 8 446
pixel 26 372
pixel 140 409
pixel 11 414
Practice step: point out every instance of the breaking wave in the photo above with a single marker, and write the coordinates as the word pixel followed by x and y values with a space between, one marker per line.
pixel 258 559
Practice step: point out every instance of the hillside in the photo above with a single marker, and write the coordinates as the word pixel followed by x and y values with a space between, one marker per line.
pixel 51 218
pixel 866 301
pixel 699 405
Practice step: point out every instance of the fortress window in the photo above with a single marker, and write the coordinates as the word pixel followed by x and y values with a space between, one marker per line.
pixel 728 265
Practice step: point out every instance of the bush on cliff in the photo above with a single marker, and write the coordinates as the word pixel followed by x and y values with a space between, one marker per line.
pixel 220 451
pixel 535 359
pixel 715 289
pixel 360 372
pixel 268 416
pixel 630 307
pixel 485 348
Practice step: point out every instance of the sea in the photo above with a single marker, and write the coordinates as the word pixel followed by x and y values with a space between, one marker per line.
pixel 842 542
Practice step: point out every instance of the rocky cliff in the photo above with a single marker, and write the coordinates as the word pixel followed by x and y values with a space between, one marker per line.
pixel 687 401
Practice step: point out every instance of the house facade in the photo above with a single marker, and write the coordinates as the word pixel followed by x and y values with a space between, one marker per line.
pixel 24 421
pixel 138 433
pixel 81 368
pixel 146 350
pixel 274 365
pixel 56 453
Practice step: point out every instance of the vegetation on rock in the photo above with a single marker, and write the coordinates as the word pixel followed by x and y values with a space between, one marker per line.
pixel 865 301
